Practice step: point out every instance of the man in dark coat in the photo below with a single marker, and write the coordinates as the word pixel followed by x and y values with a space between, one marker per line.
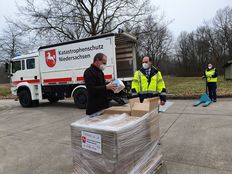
pixel 96 85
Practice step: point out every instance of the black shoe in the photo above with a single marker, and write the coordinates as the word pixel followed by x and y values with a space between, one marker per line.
pixel 214 100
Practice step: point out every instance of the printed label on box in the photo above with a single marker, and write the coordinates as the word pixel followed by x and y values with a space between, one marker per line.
pixel 91 141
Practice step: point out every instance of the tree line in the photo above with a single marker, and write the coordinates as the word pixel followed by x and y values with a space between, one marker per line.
pixel 210 43
pixel 57 21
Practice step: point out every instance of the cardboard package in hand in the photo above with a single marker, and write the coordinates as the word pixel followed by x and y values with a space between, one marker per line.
pixel 120 85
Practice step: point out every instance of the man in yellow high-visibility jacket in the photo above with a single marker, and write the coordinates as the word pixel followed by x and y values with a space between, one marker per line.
pixel 149 79
pixel 211 78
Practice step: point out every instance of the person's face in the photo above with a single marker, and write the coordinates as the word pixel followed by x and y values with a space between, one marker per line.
pixel 146 60
pixel 102 63
pixel 210 66
pixel 104 60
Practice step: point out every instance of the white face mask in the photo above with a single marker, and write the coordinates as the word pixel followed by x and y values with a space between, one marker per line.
pixel 102 67
pixel 210 67
pixel 145 65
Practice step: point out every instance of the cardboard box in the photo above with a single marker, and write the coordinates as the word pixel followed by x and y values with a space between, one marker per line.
pixel 151 166
pixel 153 126
pixel 153 102
pixel 148 159
pixel 86 163
pixel 107 143
pixel 118 110
pixel 134 108
pixel 115 143
pixel 140 109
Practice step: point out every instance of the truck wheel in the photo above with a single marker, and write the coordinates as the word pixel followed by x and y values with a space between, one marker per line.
pixel 80 98
pixel 35 102
pixel 25 98
pixel 53 99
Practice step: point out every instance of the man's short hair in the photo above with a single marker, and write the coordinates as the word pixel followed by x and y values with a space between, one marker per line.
pixel 150 59
pixel 98 56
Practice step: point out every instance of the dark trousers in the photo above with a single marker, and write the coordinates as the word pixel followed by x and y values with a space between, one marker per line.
pixel 212 87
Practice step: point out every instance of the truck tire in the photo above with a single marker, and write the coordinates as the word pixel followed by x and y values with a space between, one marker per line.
pixel 53 99
pixel 80 98
pixel 35 102
pixel 25 98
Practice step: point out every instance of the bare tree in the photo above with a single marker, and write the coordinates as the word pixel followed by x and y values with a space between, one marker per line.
pixel 154 38
pixel 185 53
pixel 10 43
pixel 74 19
pixel 3 74
pixel 203 48
pixel 222 24
pixel 208 44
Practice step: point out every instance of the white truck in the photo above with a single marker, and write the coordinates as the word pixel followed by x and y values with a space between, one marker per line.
pixel 56 71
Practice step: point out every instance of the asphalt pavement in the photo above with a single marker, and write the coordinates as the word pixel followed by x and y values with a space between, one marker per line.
pixel 195 140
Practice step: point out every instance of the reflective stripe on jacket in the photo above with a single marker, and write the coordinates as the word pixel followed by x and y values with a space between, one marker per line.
pixel 142 83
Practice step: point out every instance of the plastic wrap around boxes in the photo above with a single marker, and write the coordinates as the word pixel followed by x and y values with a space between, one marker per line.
pixel 117 143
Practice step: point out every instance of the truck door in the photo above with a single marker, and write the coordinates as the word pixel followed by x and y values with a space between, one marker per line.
pixel 16 71
pixel 30 71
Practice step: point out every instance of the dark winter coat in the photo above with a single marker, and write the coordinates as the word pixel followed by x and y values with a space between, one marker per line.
pixel 96 87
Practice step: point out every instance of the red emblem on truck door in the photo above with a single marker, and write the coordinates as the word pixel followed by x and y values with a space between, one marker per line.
pixel 50 56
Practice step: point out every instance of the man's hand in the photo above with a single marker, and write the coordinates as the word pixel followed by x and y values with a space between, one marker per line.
pixel 111 86
pixel 162 103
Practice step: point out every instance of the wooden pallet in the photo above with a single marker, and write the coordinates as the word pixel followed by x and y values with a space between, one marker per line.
pixel 159 167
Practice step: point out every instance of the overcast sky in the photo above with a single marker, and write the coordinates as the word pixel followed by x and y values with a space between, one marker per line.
pixel 187 14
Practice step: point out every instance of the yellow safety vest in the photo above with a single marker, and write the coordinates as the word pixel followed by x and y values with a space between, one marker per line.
pixel 141 83
pixel 209 75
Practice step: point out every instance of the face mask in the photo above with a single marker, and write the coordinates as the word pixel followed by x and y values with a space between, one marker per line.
pixel 145 65
pixel 102 67
pixel 210 67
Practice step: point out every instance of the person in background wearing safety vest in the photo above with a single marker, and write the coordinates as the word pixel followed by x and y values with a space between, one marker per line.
pixel 211 78
pixel 149 79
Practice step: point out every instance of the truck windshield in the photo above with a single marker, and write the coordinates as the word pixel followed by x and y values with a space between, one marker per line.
pixel 16 66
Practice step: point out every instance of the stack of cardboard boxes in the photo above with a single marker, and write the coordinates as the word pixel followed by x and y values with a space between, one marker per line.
pixel 135 108
pixel 122 140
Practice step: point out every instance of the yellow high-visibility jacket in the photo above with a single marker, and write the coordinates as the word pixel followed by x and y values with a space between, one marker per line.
pixel 211 75
pixel 154 83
